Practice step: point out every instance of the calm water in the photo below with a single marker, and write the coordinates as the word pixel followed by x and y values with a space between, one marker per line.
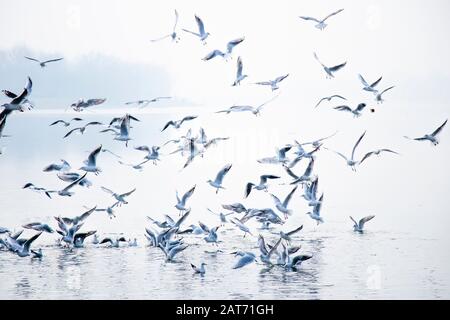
pixel 403 254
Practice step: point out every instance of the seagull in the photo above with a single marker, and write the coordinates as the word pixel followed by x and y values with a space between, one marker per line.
pixel 22 250
pixel 202 34
pixel 369 87
pixel 246 258
pixel 433 137
pixel 177 124
pixel 72 176
pixel 201 270
pixel 66 191
pixel 222 216
pixel 78 219
pixel 38 227
pixel 295 262
pixel 315 215
pixel 279 158
pixel 287 236
pixel 329 98
pixel 132 243
pixel 90 165
pixel 212 235
pixel 44 63
pixel 152 154
pixel 239 75
pixel 172 35
pixel 171 251
pixel 109 210
pixel 230 45
pixel 261 186
pixel 181 203
pixel 359 226
pixel 266 253
pixel 321 25
pixel 352 162
pixel 282 206
pixel 67 232
pixel 114 243
pixel 82 129
pixel 144 103
pixel 378 96
pixel 124 134
pixel 78 239
pixel 80 105
pixel 255 110
pixel 357 112
pixel 31 186
pixel 17 102
pixel 241 226
pixel 139 166
pixel 310 194
pixel 376 152
pixel 273 83
pixel 65 123
pixel 120 119
pixel 316 143
pixel 193 152
pixel 330 70
pixel 235 207
pixel 306 176
pixel 119 197
pixel 64 166
pixel 37 254
pixel 217 183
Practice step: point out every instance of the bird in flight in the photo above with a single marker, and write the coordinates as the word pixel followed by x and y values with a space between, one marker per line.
pixel 177 124
pixel 357 112
pixel 43 63
pixel 273 83
pixel 330 70
pixel 239 75
pixel 201 34
pixel 146 102
pixel 329 98
pixel 432 137
pixel 321 25
pixel 230 45
pixel 172 35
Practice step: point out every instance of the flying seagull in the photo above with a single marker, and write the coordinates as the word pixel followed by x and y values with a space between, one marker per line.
pixel 119 197
pixel 239 75
pixel 43 63
pixel 181 203
pixel 273 83
pixel 433 137
pixel 369 87
pixel 202 34
pixel 229 50
pixel 330 70
pixel 287 235
pixel 217 183
pixel 315 215
pixel 65 123
pixel 172 35
pixel 177 124
pixel 329 98
pixel 283 206
pixel 81 104
pixel 321 25
pixel 90 165
pixel 379 95
pixel 83 128
pixel 144 103
pixel 376 153
pixel 64 166
pixel 17 102
pixel 357 112
pixel 352 162
pixel 255 110
pixel 261 186
pixel 359 226
pixel 66 191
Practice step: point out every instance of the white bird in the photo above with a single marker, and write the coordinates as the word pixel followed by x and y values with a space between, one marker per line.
pixel 66 191
pixel 352 162
pixel 109 210
pixel 22 249
pixel 315 215
pixel 217 183
pixel 72 176
pixel 202 34
pixel 124 133
pixel 144 103
pixel 172 35
pixel 18 101
pixel 379 96
pixel 90 165
pixel 255 110
pixel 230 45
pixel 44 63
pixel 357 112
pixel 181 203
pixel 295 262
pixel 239 75
pixel 241 226
pixel 78 239
pixel 369 87
pixel 305 177
pixel 78 219
pixel 376 153
pixel 139 166
pixel 221 215
pixel 132 243
pixel 261 186
pixel 283 206
pixel 267 253
pixel 287 235
pixel 279 158
pixel 114 243
pixel 330 70
pixel 171 251
pixel 67 232
pixel 35 188
pixel 37 226
pixel 65 123
pixel 119 197
pixel 212 234
pixel 177 124
pixel 64 166
pixel 329 98
pixel 83 128
pixel 321 25
pixel 246 258
pixel 433 137
pixel 359 226
pixel 152 154
pixel 273 83
pixel 81 104
pixel 317 143
pixel 200 270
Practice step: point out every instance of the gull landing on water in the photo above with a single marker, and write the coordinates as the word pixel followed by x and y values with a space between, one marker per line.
pixel 202 34
pixel 433 137
pixel 172 35
pixel 321 25
pixel 217 183
pixel 43 63
pixel 359 226
pixel 273 83
pixel 227 54
pixel 330 70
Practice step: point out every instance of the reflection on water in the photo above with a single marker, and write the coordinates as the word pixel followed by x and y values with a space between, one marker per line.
pixel 393 259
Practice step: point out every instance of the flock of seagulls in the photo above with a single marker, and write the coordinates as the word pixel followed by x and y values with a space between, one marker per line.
pixel 167 235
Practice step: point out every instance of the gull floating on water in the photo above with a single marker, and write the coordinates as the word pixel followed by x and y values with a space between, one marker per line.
pixel 230 45
pixel 217 183
pixel 295 262
pixel 330 70
pixel 321 25
pixel 261 186
pixel 369 87
pixel 433 137
pixel 201 34
pixel 201 270
pixel 273 83
pixel 172 35
pixel 44 63
pixel 359 226
pixel 329 98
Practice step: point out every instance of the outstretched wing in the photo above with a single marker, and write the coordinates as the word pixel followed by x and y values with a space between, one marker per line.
pixel 170 123
pixel 281 78
pixel 231 44
pixel 436 132
pixel 290 233
pixel 92 159
pixel 188 194
pixel 213 54
pixel 343 108
pixel 364 220
pixel 363 81
pixel 367 155
pixel 222 173
pixel 357 143
pixel 52 60
pixel 354 221
pixel 188 118
pixel 289 196
pixel 332 14
pixel 70 132
pixel 309 19
pixel 107 190
pixel 338 67
pixel 176 20
pixel 201 26
pixel 32 59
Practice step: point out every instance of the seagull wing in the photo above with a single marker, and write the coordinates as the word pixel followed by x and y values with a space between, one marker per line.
pixel 52 60
pixel 262 245
pixel 289 172
pixel 373 85
pixel 176 20
pixel 231 44
pixel 290 233
pixel 201 26
pixel 188 194
pixel 107 190
pixel 338 67
pixel 213 54
pixel 356 144
pixel 387 89
pixel 263 179
pixel 281 78
pixel 92 159
pixel 192 32
pixel 75 182
pixel 245 260
pixel 33 59
pixel 364 220
pixel 9 94
pixel 158 39
pixel 436 132
pixel 239 67
pixel 170 123
pixel 367 155
pixel 332 14
pixel 289 196
pixel 28 243
pixel 188 118
pixel 343 108
pixel 309 19
pixel 222 173
pixel 354 221
pixel 70 132
pixel 128 193
pixel 363 81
